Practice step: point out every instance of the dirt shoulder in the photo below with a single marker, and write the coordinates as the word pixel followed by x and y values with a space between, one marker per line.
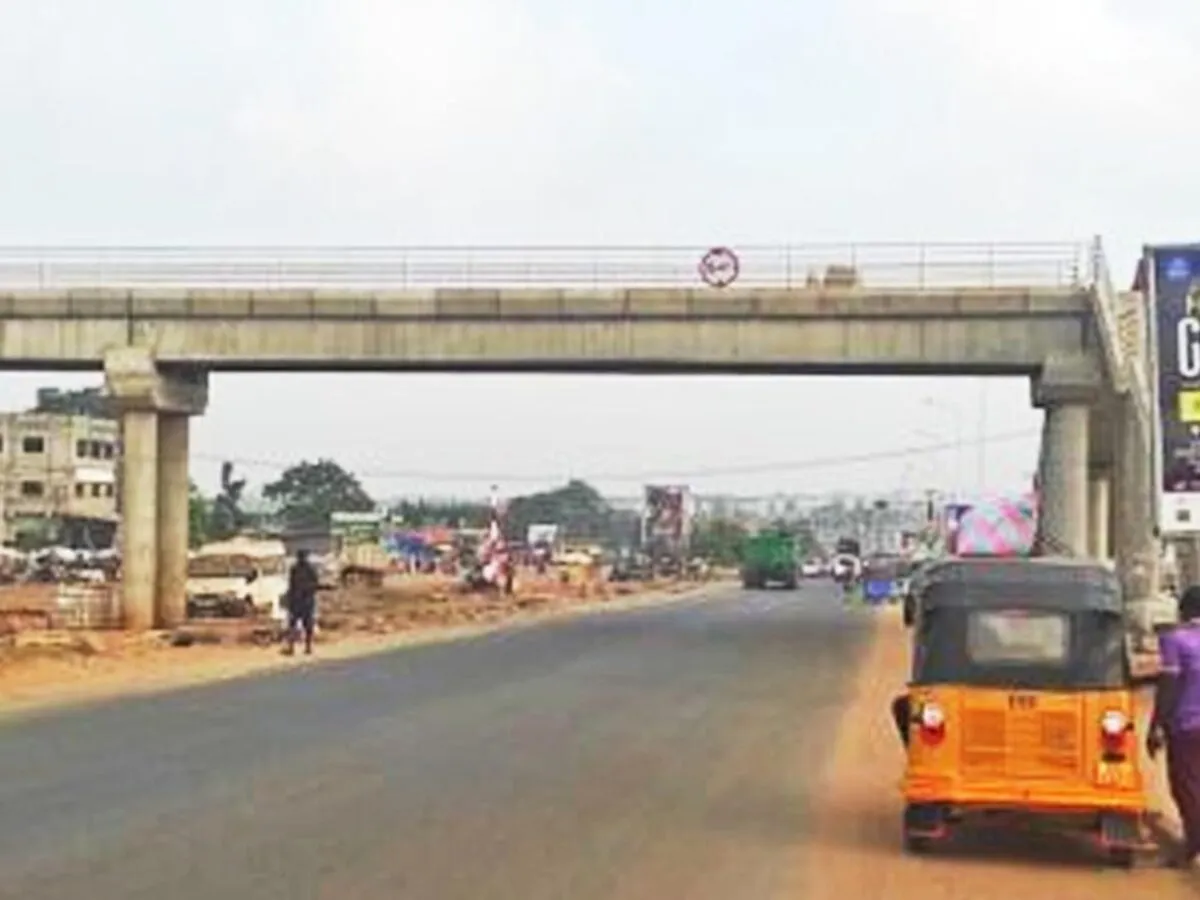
pixel 41 669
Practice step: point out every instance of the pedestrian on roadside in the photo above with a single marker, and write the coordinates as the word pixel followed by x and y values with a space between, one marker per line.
pixel 1175 724
pixel 301 602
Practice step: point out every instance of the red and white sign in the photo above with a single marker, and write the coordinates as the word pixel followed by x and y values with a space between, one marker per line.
pixel 719 267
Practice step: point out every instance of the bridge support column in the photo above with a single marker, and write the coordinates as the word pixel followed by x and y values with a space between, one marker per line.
pixel 1099 493
pixel 1066 390
pixel 1064 480
pixel 173 501
pixel 139 519
pixel 1135 543
pixel 154 406
pixel 1187 558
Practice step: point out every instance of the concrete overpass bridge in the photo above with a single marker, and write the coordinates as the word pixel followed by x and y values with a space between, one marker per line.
pixel 158 320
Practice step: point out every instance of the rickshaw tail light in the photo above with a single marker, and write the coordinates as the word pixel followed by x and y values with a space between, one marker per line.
pixel 932 723
pixel 1114 733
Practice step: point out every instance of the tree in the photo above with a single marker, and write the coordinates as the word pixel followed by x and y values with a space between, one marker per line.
pixel 92 401
pixel 226 517
pixel 199 515
pixel 719 540
pixel 420 513
pixel 310 492
pixel 576 507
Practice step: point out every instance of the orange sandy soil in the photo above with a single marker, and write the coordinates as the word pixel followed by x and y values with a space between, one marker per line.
pixel 855 850
pixel 40 668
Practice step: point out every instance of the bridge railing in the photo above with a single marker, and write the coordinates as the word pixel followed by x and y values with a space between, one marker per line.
pixel 1108 317
pixel 896 266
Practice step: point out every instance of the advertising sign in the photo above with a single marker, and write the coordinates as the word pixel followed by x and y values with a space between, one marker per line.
pixel 1174 304
pixel 665 511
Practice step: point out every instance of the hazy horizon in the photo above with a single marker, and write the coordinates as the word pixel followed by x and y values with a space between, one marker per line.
pixel 519 122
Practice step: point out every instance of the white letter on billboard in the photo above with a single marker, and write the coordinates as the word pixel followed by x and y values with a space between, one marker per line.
pixel 1188 338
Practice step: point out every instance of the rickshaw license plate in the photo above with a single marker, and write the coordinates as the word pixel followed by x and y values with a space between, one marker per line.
pixel 1022 701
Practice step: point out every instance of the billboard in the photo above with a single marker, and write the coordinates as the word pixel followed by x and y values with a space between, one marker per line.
pixel 666 515
pixel 1174 304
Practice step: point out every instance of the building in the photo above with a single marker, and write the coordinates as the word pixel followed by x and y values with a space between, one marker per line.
pixel 58 479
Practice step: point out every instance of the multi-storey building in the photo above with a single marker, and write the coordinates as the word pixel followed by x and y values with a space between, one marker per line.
pixel 58 477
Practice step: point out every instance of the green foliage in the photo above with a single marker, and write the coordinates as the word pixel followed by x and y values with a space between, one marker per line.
pixel 576 507
pixel 719 541
pixel 422 513
pixel 308 493
pixel 226 517
pixel 92 401
pixel 199 516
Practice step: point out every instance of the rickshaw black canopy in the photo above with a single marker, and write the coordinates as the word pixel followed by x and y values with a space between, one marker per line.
pixel 1071 612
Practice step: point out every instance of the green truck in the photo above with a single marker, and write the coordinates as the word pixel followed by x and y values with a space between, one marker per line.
pixel 770 557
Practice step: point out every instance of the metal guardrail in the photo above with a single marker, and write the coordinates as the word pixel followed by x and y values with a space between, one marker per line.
pixel 887 266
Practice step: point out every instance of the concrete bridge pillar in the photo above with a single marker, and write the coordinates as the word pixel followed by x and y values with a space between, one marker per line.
pixel 1066 390
pixel 1187 558
pixel 154 407
pixel 173 520
pixel 1135 543
pixel 1099 518
pixel 1064 480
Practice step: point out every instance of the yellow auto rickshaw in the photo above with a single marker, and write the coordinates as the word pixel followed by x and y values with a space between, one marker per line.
pixel 1020 708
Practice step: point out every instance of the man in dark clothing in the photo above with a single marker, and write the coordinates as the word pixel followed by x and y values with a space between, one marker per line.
pixel 301 602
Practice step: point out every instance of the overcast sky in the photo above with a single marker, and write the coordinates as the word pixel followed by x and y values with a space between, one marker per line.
pixel 526 121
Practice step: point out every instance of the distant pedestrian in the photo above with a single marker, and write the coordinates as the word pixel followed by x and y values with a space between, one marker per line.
pixel 301 602
pixel 1175 724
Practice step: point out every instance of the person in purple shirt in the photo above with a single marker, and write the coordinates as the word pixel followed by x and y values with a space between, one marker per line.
pixel 1175 723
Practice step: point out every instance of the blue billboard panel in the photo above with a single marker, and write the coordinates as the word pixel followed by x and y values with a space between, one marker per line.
pixel 1174 306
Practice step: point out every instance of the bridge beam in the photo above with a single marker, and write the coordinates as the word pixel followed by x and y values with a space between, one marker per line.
pixel 154 406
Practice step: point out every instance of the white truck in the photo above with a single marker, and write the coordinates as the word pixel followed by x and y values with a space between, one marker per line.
pixel 237 578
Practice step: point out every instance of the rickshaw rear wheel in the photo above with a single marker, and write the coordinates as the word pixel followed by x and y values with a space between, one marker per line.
pixel 918 844
pixel 1122 857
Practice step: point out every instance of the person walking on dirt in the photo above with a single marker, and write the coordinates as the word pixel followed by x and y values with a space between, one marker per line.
pixel 1175 724
pixel 301 601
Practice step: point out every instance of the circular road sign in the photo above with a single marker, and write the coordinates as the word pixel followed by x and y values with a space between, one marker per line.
pixel 719 267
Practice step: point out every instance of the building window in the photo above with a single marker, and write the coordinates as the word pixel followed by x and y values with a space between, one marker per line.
pixel 108 490
pixel 97 490
pixel 108 450
pixel 32 489
pixel 80 489
pixel 33 443
pixel 95 449
pixel 81 448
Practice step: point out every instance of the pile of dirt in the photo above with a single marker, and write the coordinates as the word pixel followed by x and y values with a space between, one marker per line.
pixel 412 602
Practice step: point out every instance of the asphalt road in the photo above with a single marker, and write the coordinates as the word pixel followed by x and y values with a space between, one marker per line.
pixel 661 752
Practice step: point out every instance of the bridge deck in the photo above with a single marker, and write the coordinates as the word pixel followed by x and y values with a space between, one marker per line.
pixel 937 308
pixel 679 302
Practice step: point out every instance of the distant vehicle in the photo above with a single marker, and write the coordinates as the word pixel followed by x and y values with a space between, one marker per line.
pixel 848 546
pixel 813 568
pixel 769 557
pixel 846 568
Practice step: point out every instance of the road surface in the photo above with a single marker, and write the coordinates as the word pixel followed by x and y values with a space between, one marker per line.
pixel 730 747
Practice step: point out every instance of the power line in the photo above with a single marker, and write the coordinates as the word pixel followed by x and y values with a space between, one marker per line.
pixel 827 462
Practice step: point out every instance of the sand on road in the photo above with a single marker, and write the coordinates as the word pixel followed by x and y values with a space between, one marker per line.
pixel 854 848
